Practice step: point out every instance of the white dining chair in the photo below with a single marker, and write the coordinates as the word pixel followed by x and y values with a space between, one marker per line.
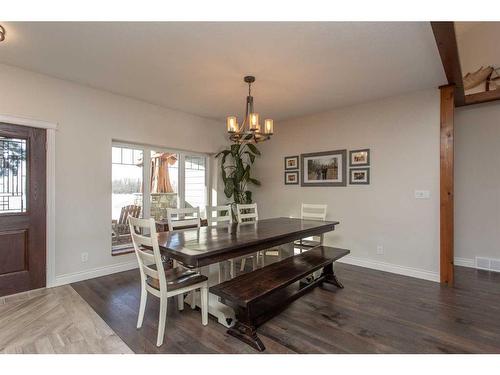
pixel 160 282
pixel 249 213
pixel 183 218
pixel 220 216
pixel 311 212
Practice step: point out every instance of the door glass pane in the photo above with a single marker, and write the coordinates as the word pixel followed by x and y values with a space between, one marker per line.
pixel 164 183
pixel 12 175
pixel 127 191
pixel 195 182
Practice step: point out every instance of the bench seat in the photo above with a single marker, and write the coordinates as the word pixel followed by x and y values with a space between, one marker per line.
pixel 259 295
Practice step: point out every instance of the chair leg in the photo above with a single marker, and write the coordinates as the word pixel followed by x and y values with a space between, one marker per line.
pixel 193 299
pixel 142 305
pixel 263 258
pixel 255 260
pixel 243 263
pixel 221 270
pixel 162 320
pixel 180 301
pixel 232 268
pixel 204 305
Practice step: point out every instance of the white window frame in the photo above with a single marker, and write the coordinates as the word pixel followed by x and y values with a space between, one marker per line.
pixel 146 172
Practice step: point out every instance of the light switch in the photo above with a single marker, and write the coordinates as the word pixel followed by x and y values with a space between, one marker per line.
pixel 422 194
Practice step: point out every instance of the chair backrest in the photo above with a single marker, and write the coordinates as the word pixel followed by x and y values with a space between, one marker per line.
pixel 183 218
pixel 219 214
pixel 132 210
pixel 247 212
pixel 146 257
pixel 313 211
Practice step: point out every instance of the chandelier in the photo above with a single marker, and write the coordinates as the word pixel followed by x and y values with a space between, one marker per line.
pixel 250 130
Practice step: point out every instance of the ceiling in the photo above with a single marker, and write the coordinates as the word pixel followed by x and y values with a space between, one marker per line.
pixel 301 68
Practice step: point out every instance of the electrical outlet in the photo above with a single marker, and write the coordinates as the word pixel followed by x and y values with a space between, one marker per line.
pixel 422 194
pixel 85 257
pixel 380 249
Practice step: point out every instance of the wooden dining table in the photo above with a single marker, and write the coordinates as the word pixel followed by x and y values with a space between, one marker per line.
pixel 205 247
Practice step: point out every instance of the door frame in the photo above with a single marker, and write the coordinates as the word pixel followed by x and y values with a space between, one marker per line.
pixel 51 129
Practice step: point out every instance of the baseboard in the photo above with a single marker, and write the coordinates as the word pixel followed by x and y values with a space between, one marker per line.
pixel 90 274
pixel 464 262
pixel 393 268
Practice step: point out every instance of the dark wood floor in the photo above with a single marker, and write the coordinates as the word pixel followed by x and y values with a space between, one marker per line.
pixel 377 312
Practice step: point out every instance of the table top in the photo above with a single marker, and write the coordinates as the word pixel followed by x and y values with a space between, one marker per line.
pixel 207 245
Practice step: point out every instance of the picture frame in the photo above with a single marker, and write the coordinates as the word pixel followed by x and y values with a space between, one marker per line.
pixel 359 176
pixel 359 158
pixel 292 178
pixel 291 162
pixel 327 168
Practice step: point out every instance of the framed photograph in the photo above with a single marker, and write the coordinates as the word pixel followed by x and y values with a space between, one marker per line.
pixel 292 178
pixel 359 158
pixel 326 168
pixel 359 176
pixel 291 162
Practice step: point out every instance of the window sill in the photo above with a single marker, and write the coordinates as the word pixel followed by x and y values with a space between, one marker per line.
pixel 127 250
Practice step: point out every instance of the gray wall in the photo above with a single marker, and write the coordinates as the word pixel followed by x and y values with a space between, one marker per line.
pixel 477 182
pixel 88 121
pixel 403 135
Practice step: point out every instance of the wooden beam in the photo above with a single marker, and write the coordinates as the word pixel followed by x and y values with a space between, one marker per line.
pixel 444 33
pixel 482 97
pixel 446 186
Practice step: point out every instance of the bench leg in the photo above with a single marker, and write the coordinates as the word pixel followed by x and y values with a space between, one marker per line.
pixel 330 276
pixel 248 334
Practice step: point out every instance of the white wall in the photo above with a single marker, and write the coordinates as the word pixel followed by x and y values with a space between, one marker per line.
pixel 403 135
pixel 477 182
pixel 88 120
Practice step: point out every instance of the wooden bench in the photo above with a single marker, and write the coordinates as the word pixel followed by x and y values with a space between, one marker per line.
pixel 259 295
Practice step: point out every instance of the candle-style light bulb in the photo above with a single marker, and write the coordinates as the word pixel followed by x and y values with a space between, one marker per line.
pixel 254 121
pixel 268 126
pixel 232 124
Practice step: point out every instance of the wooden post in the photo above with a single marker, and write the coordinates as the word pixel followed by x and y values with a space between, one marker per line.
pixel 446 186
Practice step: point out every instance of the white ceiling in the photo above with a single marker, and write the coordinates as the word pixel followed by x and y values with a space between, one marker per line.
pixel 301 68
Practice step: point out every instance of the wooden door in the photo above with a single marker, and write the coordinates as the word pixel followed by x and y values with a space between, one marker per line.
pixel 22 208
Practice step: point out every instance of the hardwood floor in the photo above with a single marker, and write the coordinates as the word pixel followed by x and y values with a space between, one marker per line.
pixel 55 320
pixel 377 312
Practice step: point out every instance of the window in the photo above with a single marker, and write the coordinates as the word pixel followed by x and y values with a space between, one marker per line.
pixel 127 188
pixel 12 175
pixel 175 179
pixel 195 177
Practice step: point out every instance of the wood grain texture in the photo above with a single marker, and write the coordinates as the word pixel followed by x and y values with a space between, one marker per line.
pixel 447 184
pixel 208 245
pixel 31 248
pixel 55 320
pixel 377 312
pixel 482 97
pixel 446 40
pixel 252 286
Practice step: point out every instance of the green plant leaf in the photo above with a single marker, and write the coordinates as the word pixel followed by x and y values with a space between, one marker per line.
pixel 253 148
pixel 235 149
pixel 254 181
pixel 248 197
pixel 251 156
pixel 229 188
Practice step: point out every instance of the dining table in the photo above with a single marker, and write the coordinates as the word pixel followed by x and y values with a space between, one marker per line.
pixel 205 247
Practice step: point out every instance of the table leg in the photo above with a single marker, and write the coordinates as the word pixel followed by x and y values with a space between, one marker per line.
pixel 224 314
pixel 245 330
pixel 330 276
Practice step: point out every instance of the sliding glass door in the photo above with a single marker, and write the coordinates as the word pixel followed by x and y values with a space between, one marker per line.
pixel 147 181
